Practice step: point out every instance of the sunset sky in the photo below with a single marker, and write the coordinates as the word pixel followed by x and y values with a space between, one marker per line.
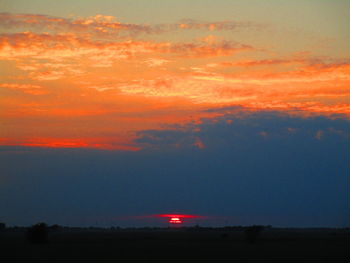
pixel 237 109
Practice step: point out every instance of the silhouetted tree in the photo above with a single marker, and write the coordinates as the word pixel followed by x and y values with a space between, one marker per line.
pixel 252 233
pixel 38 234
pixel 2 226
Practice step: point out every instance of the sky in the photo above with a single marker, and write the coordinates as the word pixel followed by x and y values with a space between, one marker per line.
pixel 234 110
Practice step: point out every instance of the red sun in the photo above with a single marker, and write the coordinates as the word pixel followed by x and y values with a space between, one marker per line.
pixel 175 220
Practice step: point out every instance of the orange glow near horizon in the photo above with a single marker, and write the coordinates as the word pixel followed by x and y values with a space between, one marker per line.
pixel 96 82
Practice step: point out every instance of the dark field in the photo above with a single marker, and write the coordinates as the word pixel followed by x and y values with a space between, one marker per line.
pixel 178 245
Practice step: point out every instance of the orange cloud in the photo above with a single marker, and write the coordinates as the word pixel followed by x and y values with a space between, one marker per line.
pixel 264 62
pixel 70 46
pixel 61 46
pixel 95 24
pixel 26 88
pixel 223 48
pixel 98 85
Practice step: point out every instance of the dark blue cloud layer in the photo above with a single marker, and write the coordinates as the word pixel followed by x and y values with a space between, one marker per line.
pixel 256 168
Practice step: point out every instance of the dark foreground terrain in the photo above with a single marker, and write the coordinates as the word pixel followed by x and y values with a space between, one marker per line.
pixel 177 245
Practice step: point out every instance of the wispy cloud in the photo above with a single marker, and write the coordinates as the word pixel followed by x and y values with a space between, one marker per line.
pixel 105 24
pixel 26 88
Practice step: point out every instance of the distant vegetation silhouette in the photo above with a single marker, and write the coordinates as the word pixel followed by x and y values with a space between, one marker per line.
pixel 55 228
pixel 2 226
pixel 38 234
pixel 253 232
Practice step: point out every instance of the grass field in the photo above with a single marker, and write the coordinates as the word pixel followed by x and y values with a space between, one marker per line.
pixel 178 245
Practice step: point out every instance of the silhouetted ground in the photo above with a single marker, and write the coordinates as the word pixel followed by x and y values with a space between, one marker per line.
pixel 177 245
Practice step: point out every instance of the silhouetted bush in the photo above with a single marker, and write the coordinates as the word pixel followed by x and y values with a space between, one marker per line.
pixel 2 226
pixel 38 234
pixel 252 233
pixel 55 228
